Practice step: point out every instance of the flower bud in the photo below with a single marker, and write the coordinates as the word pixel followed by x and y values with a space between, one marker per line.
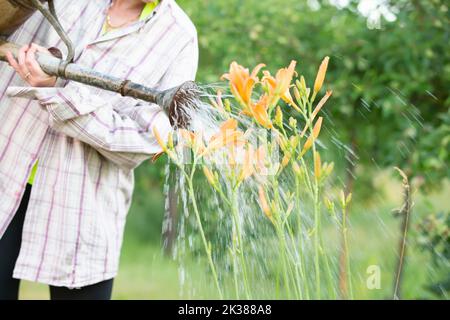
pixel 292 122
pixel 279 117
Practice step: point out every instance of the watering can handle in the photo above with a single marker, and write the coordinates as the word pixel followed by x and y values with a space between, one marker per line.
pixel 50 15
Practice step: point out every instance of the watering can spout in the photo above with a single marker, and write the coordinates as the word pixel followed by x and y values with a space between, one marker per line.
pixel 177 103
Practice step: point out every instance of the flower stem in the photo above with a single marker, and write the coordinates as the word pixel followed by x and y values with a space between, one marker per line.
pixel 236 222
pixel 281 237
pixel 202 233
pixel 300 237
pixel 316 241
pixel 316 211
pixel 347 256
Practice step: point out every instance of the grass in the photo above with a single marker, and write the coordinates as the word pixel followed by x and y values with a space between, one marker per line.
pixel 146 274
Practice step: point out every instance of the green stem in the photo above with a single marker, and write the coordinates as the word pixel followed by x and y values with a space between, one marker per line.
pixel 202 232
pixel 299 276
pixel 347 256
pixel 300 236
pixel 281 236
pixel 316 241
pixel 283 259
pixel 236 221
pixel 316 213
pixel 331 288
pixel 235 272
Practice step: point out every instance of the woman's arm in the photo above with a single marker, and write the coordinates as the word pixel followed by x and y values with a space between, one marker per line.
pixel 122 133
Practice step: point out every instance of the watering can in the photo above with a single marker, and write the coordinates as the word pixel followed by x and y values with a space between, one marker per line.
pixel 15 12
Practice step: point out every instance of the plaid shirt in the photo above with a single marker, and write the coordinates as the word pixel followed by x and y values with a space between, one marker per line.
pixel 87 140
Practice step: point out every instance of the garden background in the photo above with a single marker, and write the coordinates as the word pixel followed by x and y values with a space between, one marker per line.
pixel 389 71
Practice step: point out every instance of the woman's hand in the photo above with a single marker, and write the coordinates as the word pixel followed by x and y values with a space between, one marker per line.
pixel 28 68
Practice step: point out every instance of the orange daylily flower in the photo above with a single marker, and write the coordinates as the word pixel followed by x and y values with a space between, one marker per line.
pixel 230 124
pixel 242 83
pixel 227 135
pixel 259 112
pixel 321 75
pixel 279 86
pixel 284 77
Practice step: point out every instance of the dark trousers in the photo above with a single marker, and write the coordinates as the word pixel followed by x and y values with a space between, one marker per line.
pixel 9 251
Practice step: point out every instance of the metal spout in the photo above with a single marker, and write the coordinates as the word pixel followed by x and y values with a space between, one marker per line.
pixel 176 103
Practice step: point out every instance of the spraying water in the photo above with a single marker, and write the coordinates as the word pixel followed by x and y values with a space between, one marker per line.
pixel 261 214
pixel 250 187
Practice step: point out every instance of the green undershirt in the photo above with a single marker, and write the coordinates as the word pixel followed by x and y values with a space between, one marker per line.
pixel 147 11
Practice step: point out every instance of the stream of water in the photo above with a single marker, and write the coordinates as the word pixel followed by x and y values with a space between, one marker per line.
pixel 253 257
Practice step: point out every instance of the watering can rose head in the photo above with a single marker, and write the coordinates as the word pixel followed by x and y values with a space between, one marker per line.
pixel 178 102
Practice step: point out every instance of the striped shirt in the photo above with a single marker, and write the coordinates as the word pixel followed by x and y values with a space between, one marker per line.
pixel 88 140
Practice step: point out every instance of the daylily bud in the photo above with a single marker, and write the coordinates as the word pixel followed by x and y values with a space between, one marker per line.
pixel 294 140
pixel 170 140
pixel 329 205
pixel 342 199
pixel 321 75
pixel 264 204
pixel 227 105
pixel 283 142
pixel 316 131
pixel 302 83
pixel 297 94
pixel 317 165
pixel 348 199
pixel 279 117
pixel 292 122
pixel 286 159
pixel 210 176
pixel 345 200
pixel 328 168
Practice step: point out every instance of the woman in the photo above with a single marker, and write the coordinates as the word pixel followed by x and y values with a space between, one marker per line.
pixel 78 145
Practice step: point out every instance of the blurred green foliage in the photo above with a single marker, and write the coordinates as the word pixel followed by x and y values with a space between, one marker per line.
pixel 434 237
pixel 390 82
